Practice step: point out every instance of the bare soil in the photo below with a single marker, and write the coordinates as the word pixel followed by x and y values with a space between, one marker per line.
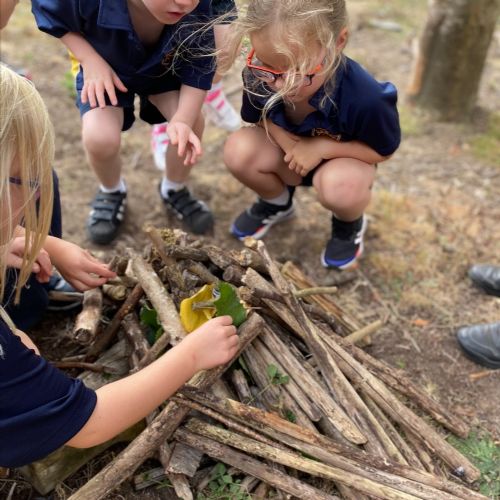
pixel 435 208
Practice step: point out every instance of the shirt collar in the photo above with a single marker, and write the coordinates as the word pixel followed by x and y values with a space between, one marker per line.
pixel 114 15
pixel 317 100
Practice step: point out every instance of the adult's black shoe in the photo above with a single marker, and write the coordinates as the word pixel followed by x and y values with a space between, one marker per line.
pixel 481 343
pixel 486 277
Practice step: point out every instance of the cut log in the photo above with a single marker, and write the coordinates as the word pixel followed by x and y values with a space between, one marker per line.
pixel 161 428
pixel 184 460
pixel 87 322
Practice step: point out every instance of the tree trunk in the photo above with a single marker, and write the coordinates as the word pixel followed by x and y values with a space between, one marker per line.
pixel 450 56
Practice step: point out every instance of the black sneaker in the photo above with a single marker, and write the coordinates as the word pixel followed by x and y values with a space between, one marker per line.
pixel 194 213
pixel 258 219
pixel 62 296
pixel 346 244
pixel 106 216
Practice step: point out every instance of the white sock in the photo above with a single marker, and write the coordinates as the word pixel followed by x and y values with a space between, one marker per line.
pixel 282 199
pixel 216 86
pixel 168 185
pixel 121 186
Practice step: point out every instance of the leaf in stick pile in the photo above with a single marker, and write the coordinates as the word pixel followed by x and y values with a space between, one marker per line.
pixel 193 318
pixel 229 304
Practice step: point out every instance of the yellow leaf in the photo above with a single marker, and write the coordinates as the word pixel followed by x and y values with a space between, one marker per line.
pixel 191 318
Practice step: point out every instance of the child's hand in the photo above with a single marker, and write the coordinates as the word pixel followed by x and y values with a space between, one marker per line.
pixel 304 156
pixel 78 267
pixel 99 77
pixel 212 344
pixel 42 266
pixel 187 142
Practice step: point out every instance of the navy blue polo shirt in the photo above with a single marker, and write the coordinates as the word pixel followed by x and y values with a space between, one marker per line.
pixel 107 26
pixel 40 407
pixel 357 108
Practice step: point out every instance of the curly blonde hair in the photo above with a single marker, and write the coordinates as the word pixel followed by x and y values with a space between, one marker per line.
pixel 296 26
pixel 26 143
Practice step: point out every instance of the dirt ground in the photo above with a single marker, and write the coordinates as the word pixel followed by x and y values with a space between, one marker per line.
pixel 435 208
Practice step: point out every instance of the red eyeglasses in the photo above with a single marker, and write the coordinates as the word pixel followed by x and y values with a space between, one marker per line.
pixel 33 185
pixel 268 75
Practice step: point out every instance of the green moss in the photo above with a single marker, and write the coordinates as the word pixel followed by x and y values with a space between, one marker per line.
pixel 486 146
pixel 482 451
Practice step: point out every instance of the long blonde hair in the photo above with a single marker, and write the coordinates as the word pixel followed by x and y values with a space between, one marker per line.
pixel 296 25
pixel 27 140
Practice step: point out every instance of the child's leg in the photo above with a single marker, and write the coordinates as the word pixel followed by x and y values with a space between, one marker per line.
pixel 101 136
pixel 217 106
pixel 258 163
pixel 344 187
pixel 173 190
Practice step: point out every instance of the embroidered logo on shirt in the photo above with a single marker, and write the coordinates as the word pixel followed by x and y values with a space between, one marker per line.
pixel 318 132
pixel 2 353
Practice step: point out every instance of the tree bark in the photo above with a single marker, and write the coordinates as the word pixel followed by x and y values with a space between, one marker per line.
pixel 451 54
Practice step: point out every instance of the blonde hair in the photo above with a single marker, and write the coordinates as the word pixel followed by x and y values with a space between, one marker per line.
pixel 296 25
pixel 26 140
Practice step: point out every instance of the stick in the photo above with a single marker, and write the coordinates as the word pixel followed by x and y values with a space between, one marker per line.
pixel 252 466
pixel 93 367
pixel 103 340
pixel 360 334
pixel 87 322
pixel 315 290
pixel 143 447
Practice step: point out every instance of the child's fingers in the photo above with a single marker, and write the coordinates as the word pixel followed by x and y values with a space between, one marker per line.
pixel 118 83
pixel 99 91
pixel 196 143
pixel 91 95
pixel 182 143
pixel 16 261
pixel 172 135
pixel 287 158
pixel 110 90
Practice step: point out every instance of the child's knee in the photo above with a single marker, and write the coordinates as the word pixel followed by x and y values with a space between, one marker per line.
pixel 338 192
pixel 238 151
pixel 101 143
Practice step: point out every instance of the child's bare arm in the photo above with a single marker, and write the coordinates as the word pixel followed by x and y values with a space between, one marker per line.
pixel 99 78
pixel 126 401
pixel 309 152
pixel 180 126
pixel 284 139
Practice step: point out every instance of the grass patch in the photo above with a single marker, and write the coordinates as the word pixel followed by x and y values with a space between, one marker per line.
pixel 485 455
pixel 411 120
pixel 486 146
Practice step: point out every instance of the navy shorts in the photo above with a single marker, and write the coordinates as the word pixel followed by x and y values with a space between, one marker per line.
pixel 148 112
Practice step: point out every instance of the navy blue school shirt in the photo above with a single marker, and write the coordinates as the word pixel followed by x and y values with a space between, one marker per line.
pixel 357 108
pixel 40 407
pixel 107 26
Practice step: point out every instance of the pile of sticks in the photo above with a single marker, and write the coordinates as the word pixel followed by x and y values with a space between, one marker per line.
pixel 306 413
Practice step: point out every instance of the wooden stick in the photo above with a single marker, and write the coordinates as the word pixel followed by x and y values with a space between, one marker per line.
pixel 399 381
pixel 296 276
pixel 275 397
pixel 143 447
pixel 317 445
pixel 252 466
pixel 240 384
pixel 93 367
pixel 359 335
pixel 292 387
pixel 399 413
pixel 103 340
pixel 369 486
pixel 168 317
pixel 87 322
pixel 315 290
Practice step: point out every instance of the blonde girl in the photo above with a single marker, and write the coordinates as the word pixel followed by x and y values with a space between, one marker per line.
pixel 321 119
pixel 40 408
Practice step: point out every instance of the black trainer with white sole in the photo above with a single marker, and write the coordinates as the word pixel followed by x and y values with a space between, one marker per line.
pixel 194 213
pixel 260 217
pixel 346 244
pixel 106 216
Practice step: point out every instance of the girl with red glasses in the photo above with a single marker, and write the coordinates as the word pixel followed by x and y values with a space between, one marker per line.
pixel 320 119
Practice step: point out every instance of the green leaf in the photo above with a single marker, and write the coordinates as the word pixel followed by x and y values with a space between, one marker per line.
pixel 290 416
pixel 229 304
pixel 227 479
pixel 220 469
pixel 149 317
pixel 272 371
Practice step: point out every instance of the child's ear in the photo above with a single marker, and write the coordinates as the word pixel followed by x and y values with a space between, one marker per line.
pixel 342 39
